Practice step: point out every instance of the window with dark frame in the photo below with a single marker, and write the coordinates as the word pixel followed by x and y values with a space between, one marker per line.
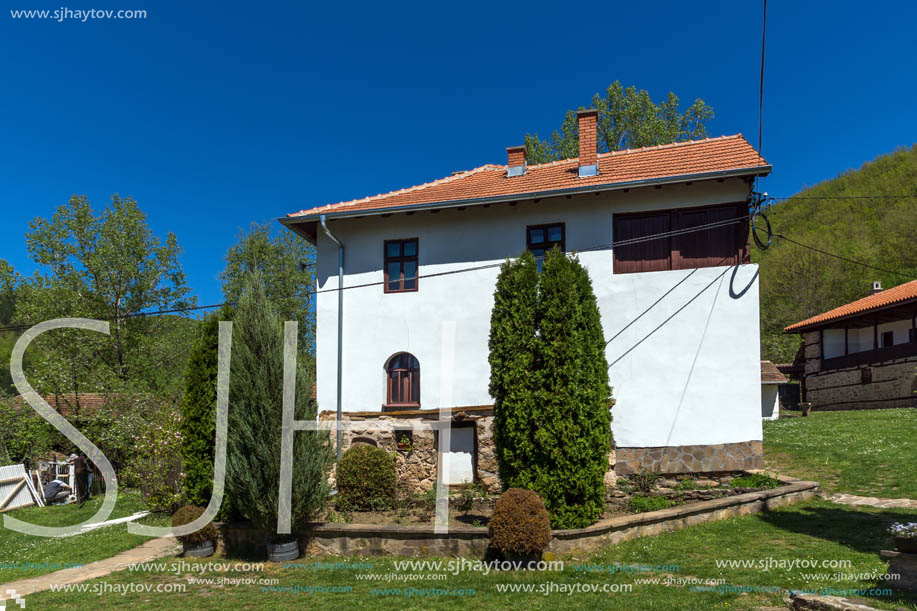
pixel 400 265
pixel 539 239
pixel 402 381
pixel 888 339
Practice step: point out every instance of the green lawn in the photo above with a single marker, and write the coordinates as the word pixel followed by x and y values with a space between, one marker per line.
pixel 95 545
pixel 869 453
pixel 810 530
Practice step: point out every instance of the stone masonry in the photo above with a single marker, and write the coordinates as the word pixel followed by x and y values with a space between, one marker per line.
pixel 887 384
pixel 691 459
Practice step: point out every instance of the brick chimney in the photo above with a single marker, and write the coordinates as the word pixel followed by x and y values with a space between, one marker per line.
pixel 876 287
pixel 586 122
pixel 516 162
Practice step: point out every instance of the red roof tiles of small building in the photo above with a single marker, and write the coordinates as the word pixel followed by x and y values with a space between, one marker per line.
pixel 695 158
pixel 901 293
pixel 67 402
pixel 770 374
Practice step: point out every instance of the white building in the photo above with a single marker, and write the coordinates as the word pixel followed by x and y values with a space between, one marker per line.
pixel 679 305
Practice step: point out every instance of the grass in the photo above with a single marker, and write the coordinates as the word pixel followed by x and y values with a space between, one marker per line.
pixel 810 530
pixel 95 545
pixel 868 453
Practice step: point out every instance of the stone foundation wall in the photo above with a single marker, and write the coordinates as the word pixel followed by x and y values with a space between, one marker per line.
pixel 741 456
pixel 416 467
pixel 889 384
pixel 893 385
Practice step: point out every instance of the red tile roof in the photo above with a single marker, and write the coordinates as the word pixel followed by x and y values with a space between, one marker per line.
pixel 671 161
pixel 66 403
pixel 898 294
pixel 770 374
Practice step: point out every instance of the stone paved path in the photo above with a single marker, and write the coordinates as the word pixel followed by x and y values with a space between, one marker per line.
pixel 149 551
pixel 871 501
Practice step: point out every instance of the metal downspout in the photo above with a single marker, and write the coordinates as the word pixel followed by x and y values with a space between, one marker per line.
pixel 340 324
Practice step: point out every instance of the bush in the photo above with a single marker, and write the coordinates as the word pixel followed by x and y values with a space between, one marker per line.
pixel 366 479
pixel 188 514
pixel 755 480
pixel 640 503
pixel 549 380
pixel 645 481
pixel 24 435
pixel 520 525
pixel 155 465
pixel 687 484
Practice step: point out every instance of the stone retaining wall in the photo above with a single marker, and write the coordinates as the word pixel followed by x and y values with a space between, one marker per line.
pixel 466 541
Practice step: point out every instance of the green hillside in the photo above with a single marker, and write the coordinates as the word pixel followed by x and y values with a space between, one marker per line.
pixel 797 283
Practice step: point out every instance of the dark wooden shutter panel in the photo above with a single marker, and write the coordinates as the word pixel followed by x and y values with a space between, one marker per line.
pixel 647 256
pixel 710 247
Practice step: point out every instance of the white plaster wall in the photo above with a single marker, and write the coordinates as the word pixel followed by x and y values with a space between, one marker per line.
pixel 693 381
pixel 770 402
pixel 900 328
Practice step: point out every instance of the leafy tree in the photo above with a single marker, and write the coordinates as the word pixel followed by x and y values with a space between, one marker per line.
pixel 107 266
pixel 627 119
pixel 285 263
pixel 513 331
pixel 256 418
pixel 797 283
pixel 9 279
pixel 549 376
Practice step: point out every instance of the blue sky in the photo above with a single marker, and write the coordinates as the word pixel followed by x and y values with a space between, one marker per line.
pixel 216 114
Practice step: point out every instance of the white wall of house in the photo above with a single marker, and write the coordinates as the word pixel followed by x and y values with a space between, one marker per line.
pixel 693 381
pixel 770 402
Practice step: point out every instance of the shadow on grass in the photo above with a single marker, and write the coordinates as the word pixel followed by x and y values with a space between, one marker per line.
pixel 861 530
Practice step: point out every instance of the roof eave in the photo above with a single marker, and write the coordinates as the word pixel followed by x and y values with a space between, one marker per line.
pixel 291 220
pixel 800 328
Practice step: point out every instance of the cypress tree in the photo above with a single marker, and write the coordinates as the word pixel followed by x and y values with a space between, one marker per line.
pixel 512 366
pixel 198 409
pixel 574 438
pixel 549 380
pixel 256 418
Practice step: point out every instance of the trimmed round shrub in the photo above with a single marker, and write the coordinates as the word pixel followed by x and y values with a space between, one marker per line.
pixel 366 479
pixel 188 514
pixel 520 525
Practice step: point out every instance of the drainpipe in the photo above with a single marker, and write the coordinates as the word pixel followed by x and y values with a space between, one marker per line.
pixel 340 323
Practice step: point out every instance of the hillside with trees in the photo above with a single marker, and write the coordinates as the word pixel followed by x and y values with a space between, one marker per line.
pixel 868 222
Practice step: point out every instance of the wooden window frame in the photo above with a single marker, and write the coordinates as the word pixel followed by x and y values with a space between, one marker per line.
pixel 413 381
pixel 386 259
pixel 563 236
pixel 562 243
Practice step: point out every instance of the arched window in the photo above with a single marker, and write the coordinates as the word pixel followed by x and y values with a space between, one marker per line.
pixel 402 375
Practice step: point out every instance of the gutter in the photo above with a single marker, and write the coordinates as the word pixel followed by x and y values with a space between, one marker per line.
pixel 755 171
pixel 330 235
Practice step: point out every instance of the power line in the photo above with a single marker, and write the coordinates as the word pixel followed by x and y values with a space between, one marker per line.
pixel 676 232
pixel 843 258
pixel 901 196
pixel 761 87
